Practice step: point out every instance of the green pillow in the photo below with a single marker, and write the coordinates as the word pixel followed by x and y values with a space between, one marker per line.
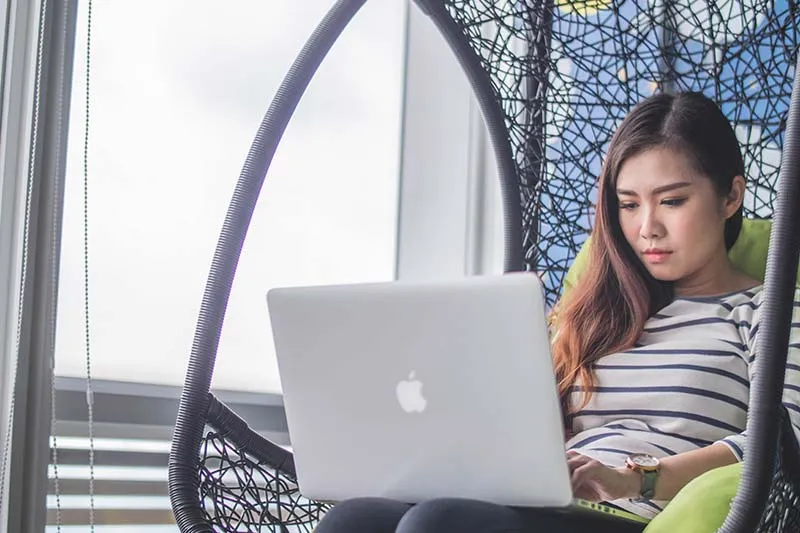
pixel 702 505
pixel 748 254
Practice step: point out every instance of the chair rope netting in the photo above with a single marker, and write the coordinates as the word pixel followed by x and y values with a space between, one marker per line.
pixel 567 72
pixel 562 75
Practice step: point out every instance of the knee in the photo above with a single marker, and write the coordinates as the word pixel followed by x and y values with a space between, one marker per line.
pixel 457 515
pixel 362 514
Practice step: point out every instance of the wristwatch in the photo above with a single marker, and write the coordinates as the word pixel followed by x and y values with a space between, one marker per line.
pixel 648 466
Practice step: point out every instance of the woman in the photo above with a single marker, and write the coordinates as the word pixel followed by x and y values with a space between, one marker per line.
pixel 654 346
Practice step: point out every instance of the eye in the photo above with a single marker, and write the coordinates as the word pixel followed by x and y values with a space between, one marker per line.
pixel 673 202
pixel 628 205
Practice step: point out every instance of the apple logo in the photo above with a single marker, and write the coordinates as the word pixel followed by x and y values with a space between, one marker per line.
pixel 409 394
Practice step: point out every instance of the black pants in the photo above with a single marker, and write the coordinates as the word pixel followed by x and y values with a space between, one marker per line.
pixel 375 515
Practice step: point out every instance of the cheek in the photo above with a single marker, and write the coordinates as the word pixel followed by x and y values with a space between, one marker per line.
pixel 697 222
pixel 685 229
pixel 630 229
pixel 698 232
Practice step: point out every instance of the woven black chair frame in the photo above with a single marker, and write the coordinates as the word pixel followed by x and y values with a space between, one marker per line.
pixel 247 483
pixel 552 79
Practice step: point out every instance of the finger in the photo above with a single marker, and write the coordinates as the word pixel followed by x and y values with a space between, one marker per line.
pixel 581 473
pixel 573 455
pixel 588 492
pixel 572 466
pixel 577 460
pixel 588 477
pixel 588 481
pixel 585 467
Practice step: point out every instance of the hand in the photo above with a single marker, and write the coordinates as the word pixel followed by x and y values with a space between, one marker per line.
pixel 593 481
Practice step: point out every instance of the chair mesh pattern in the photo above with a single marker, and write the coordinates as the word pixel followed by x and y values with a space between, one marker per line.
pixel 241 493
pixel 567 72
pixel 782 513
pixel 783 506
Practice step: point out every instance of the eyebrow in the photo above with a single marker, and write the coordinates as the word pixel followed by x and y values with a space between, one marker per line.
pixel 657 190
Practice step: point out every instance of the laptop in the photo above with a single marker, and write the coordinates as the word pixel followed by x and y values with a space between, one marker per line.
pixel 419 390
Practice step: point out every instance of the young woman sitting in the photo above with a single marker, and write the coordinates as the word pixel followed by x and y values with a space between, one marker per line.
pixel 654 347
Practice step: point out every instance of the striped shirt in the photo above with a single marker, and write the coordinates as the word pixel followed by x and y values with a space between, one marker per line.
pixel 684 386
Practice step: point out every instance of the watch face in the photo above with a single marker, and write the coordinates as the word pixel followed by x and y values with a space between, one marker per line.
pixel 644 461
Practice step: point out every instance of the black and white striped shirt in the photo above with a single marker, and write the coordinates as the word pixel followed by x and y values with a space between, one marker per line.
pixel 685 385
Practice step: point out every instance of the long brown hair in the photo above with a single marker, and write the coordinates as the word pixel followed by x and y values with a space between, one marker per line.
pixel 606 311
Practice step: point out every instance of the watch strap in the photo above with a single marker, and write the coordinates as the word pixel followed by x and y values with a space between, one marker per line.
pixel 648 484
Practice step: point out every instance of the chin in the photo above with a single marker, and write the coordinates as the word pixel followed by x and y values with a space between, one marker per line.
pixel 664 274
pixel 667 279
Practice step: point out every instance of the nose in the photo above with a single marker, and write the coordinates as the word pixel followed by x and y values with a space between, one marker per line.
pixel 651 227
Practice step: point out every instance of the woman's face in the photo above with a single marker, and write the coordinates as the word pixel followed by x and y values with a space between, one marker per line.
pixel 673 217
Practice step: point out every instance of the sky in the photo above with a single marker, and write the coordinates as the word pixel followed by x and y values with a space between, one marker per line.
pixel 177 90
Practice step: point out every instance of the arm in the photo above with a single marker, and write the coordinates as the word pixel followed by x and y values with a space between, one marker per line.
pixel 593 481
pixel 678 470
pixel 791 388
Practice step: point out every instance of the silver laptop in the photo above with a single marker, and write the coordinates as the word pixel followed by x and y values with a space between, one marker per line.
pixel 419 390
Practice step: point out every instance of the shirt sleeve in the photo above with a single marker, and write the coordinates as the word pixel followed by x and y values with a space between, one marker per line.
pixel 791 387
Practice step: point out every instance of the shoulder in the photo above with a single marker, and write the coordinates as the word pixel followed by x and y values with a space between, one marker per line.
pixel 740 304
pixel 758 304
pixel 758 297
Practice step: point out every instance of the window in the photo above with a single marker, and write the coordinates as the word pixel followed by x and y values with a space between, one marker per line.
pixel 177 91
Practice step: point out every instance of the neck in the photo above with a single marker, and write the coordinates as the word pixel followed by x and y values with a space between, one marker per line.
pixel 718 276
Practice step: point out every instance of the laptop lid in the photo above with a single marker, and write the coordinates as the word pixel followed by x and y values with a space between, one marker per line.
pixel 417 390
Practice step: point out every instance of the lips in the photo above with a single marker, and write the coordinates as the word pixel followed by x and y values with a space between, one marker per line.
pixel 656 255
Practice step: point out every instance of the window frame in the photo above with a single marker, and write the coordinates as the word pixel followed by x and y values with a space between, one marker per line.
pixel 450 212
pixel 32 152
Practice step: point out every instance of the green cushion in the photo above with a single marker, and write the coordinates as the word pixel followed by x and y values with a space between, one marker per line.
pixel 748 254
pixel 702 505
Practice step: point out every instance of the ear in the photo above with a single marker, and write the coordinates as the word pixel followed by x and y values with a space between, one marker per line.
pixel 733 200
